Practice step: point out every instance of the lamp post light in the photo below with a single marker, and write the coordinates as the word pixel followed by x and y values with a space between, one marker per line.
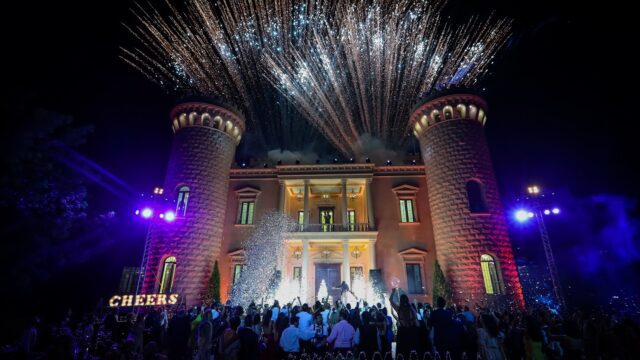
pixel 356 253
pixel 147 213
pixel 538 212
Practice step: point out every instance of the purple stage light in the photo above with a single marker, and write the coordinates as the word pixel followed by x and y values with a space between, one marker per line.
pixel 522 215
pixel 137 212
pixel 147 213
pixel 555 211
pixel 547 211
pixel 169 216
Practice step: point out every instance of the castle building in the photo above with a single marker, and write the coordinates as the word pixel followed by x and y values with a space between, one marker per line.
pixel 388 223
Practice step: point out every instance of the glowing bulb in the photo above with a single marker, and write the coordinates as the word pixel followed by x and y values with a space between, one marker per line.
pixel 555 211
pixel 534 190
pixel 522 215
pixel 169 216
pixel 147 213
pixel 547 212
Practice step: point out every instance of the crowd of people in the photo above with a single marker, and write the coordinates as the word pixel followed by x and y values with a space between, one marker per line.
pixel 332 331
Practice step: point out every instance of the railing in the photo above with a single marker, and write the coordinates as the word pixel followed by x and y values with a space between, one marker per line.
pixel 334 227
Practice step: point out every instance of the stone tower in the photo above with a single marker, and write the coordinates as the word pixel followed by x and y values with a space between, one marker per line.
pixel 470 230
pixel 182 253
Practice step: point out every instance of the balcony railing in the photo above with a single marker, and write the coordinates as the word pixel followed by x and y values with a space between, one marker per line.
pixel 334 227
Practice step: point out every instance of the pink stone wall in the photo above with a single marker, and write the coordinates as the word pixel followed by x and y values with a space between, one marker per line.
pixel 394 236
pixel 201 159
pixel 455 151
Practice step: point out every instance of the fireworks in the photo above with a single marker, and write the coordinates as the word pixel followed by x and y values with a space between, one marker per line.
pixel 214 48
pixel 363 67
pixel 350 67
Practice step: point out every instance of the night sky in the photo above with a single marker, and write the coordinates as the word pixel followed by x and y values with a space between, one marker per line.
pixel 559 97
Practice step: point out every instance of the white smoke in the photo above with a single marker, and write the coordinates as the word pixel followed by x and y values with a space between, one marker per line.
pixel 263 251
pixel 375 149
pixel 290 157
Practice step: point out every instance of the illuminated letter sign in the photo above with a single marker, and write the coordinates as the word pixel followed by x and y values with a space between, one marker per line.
pixel 143 300
pixel 115 301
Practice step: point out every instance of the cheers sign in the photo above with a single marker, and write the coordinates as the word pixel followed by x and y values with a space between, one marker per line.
pixel 143 300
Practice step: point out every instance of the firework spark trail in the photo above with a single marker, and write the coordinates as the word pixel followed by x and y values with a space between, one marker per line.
pixel 362 66
pixel 213 48
pixel 351 67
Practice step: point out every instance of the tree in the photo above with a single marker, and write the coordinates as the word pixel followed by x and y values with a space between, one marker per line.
pixel 213 293
pixel 44 209
pixel 441 287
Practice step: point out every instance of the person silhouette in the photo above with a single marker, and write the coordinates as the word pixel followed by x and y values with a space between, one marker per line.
pixel 327 221
pixel 344 288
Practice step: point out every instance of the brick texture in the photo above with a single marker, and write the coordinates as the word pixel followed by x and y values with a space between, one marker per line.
pixel 201 159
pixel 455 151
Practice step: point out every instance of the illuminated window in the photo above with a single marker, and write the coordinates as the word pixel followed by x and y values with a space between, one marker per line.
pixel 246 212
pixel 476 197
pixel 462 110
pixel 168 273
pixel 351 217
pixel 448 112
pixel 183 199
pixel 301 219
pixel 237 270
pixel 490 275
pixel 297 274
pixel 407 213
pixel 435 115
pixel 326 219
pixel 414 278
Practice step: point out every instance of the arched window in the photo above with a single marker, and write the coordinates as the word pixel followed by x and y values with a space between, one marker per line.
pixel 476 197
pixel 183 199
pixel 435 115
pixel 473 112
pixel 490 275
pixel 448 112
pixel 462 110
pixel 480 115
pixel 168 273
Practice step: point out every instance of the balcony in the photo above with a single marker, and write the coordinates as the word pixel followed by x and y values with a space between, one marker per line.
pixel 357 227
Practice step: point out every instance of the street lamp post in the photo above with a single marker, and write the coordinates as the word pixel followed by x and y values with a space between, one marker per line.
pixel 145 254
pixel 538 213
pixel 148 213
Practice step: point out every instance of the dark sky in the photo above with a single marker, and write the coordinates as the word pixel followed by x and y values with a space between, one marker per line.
pixel 559 95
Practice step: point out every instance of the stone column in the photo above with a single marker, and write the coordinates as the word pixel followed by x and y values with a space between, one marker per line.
pixel 372 254
pixel 282 198
pixel 345 218
pixel 306 204
pixel 345 262
pixel 370 215
pixel 305 269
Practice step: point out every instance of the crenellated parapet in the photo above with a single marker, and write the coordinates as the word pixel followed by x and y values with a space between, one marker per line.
pixel 208 115
pixel 447 108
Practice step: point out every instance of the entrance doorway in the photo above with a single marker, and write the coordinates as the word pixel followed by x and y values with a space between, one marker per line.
pixel 326 218
pixel 330 273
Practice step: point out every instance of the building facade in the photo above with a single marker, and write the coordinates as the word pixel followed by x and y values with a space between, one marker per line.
pixel 355 221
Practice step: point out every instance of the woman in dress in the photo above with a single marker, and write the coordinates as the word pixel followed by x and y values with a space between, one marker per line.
pixel 407 337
